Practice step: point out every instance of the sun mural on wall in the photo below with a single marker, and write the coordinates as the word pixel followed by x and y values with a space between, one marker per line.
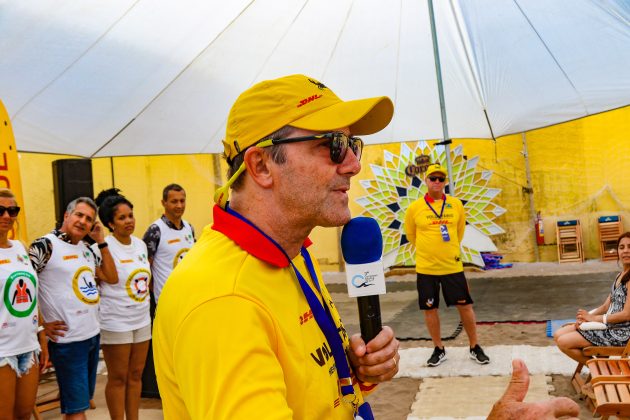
pixel 400 181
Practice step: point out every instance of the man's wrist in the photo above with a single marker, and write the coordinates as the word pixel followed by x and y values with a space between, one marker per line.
pixel 103 245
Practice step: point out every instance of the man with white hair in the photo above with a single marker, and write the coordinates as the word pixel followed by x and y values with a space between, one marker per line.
pixel 69 272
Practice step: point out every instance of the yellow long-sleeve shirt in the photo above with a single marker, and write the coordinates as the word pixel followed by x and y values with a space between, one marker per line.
pixel 422 227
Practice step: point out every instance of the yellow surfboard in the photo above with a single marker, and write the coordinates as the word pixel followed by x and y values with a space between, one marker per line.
pixel 10 172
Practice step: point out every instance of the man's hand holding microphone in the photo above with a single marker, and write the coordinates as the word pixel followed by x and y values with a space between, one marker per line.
pixel 374 352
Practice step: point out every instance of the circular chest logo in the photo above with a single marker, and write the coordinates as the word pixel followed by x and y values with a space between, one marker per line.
pixel 138 284
pixel 19 294
pixel 84 286
pixel 179 256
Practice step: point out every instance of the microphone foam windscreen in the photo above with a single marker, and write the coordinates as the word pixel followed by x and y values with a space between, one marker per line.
pixel 361 241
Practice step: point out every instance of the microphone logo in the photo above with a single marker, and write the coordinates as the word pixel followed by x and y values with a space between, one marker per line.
pixel 363 280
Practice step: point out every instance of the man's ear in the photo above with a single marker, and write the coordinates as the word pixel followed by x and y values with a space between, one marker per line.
pixel 258 163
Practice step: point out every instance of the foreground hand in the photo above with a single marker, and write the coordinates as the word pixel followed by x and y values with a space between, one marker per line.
pixel 55 329
pixel 511 405
pixel 378 360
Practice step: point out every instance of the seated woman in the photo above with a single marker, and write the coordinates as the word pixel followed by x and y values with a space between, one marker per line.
pixel 614 313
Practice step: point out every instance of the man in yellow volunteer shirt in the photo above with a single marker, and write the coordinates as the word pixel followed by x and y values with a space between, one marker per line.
pixel 236 335
pixel 245 327
pixel 435 224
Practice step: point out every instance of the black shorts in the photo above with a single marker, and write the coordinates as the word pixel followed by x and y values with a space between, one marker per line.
pixel 454 289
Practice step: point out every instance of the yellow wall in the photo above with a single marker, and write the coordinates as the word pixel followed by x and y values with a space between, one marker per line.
pixel 578 171
pixel 38 192
pixel 141 180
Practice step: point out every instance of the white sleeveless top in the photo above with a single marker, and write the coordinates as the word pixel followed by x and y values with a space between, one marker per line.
pixel 172 247
pixel 125 305
pixel 18 303
pixel 68 290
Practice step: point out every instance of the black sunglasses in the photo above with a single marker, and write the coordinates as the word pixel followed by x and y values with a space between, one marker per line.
pixel 338 144
pixel 437 178
pixel 12 210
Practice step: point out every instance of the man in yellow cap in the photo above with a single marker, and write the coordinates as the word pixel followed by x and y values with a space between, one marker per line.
pixel 260 336
pixel 435 224
pixel 245 327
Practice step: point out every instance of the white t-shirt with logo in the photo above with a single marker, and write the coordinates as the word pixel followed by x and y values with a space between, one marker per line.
pixel 174 244
pixel 18 307
pixel 125 305
pixel 68 290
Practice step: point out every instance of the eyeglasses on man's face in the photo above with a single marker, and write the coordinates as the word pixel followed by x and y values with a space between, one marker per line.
pixel 12 210
pixel 437 178
pixel 337 142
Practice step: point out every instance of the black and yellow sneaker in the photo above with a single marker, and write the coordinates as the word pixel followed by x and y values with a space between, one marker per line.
pixel 438 356
pixel 477 354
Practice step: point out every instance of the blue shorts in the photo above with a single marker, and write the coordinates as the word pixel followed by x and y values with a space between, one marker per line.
pixel 21 363
pixel 75 367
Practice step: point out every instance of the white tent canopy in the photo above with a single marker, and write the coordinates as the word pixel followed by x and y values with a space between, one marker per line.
pixel 123 77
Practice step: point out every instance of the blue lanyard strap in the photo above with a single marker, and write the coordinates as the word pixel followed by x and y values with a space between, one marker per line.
pixel 324 319
pixel 321 313
pixel 439 216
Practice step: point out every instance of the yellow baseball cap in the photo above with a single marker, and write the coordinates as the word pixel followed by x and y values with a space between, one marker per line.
pixel 302 102
pixel 436 168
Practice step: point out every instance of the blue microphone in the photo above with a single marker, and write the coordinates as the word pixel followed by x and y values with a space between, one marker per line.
pixel 362 248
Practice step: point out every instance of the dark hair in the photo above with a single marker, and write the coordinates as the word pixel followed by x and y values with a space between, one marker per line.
pixel 276 151
pixel 108 201
pixel 626 276
pixel 171 187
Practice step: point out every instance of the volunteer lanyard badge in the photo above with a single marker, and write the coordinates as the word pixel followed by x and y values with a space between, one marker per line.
pixel 444 232
pixel 443 229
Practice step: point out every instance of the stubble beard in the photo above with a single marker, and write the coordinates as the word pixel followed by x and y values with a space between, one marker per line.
pixel 339 215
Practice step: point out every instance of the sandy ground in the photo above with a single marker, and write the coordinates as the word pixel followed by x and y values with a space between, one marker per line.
pixel 393 400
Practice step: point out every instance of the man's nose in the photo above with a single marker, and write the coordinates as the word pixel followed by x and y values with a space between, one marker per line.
pixel 350 164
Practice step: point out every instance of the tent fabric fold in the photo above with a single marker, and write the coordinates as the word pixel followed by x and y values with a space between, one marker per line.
pixel 140 77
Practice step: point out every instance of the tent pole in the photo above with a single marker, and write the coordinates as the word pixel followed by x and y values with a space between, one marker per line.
pixel 111 169
pixel 438 72
pixel 530 194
